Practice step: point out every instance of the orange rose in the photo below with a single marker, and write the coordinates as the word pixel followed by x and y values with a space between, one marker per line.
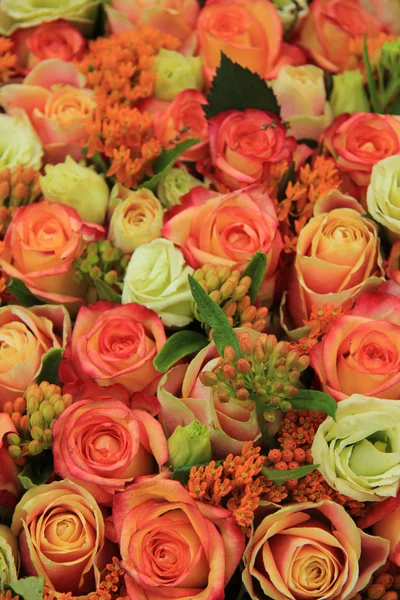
pixel 329 28
pixel 227 229
pixel 41 243
pixel 57 104
pixel 10 486
pixel 359 141
pixel 56 39
pixel 249 32
pixel 389 528
pixel 337 258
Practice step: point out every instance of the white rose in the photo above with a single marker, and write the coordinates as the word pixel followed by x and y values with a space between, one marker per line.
pixel 19 144
pixel 157 277
pixel 383 194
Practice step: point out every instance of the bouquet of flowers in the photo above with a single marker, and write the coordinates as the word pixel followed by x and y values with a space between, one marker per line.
pixel 200 299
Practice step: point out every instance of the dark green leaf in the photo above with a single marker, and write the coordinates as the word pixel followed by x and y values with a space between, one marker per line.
pixel 17 288
pixel 37 470
pixel 29 588
pixel 256 270
pixel 182 473
pixel 106 292
pixel 373 94
pixel 289 176
pixel 309 142
pixel 314 400
pixel 236 88
pixel 166 161
pixel 180 344
pixel 50 364
pixel 395 107
pixel 280 477
pixel 6 515
pixel 214 316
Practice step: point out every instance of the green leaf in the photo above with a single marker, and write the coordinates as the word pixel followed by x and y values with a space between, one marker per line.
pixel 166 161
pixel 29 588
pixel 236 88
pixel 106 292
pixel 256 270
pixel 180 344
pixel 17 288
pixel 289 176
pixel 314 400
pixel 309 142
pixel 373 94
pixel 214 316
pixel 6 515
pixel 395 107
pixel 280 477
pixel 50 364
pixel 37 470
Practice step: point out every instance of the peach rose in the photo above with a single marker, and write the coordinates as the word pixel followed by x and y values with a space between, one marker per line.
pixel 175 17
pixel 330 27
pixel 393 263
pixel 249 33
pixel 60 530
pixel 227 229
pixel 173 546
pixel 56 39
pixel 10 487
pixel 359 141
pixel 183 118
pixel 244 143
pixel 26 335
pixel 337 257
pixel 102 445
pixel 114 344
pixel 310 550
pixel 361 352
pixel 57 104
pixel 389 528
pixel 386 11
pixel 40 246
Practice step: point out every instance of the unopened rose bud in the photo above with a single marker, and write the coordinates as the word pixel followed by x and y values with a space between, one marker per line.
pixel 280 372
pixel 189 445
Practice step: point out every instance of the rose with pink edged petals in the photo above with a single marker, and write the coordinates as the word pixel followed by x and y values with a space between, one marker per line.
pixel 40 246
pixel 361 351
pixel 183 118
pixel 114 344
pixel 244 143
pixel 54 98
pixel 310 550
pixel 331 26
pixel 102 445
pixel 389 528
pixel 10 486
pixel 61 537
pixel 26 335
pixel 173 546
pixel 359 141
pixel 337 258
pixel 227 230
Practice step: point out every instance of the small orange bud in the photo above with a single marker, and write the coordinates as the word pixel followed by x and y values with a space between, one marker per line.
pixel 16 419
pixel 244 303
pixel 20 191
pixel 229 372
pixel 229 353
pixel 8 407
pixel 230 308
pixel 4 189
pixel 281 466
pixel 249 314
pixel 243 366
pixel 242 394
pixel 245 344
pixel 19 405
pixel 208 379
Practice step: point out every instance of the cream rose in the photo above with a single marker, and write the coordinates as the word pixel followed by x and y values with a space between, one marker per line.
pixel 383 194
pixel 157 277
pixel 8 556
pixel 19 144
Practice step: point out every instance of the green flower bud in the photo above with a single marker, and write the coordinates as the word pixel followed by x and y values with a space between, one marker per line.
pixel 48 413
pixel 13 439
pixel 37 433
pixel 14 451
pixel 176 183
pixel 36 419
pixel 189 445
pixel 58 408
pixel 175 73
pixel 348 95
pixel 35 447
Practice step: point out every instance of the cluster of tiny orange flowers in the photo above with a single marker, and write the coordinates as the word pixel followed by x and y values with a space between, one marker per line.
pixel 7 59
pixel 119 69
pixel 51 595
pixel 112 584
pixel 8 596
pixel 374 46
pixel 234 482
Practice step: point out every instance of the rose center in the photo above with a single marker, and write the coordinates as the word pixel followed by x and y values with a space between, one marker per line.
pixel 228 24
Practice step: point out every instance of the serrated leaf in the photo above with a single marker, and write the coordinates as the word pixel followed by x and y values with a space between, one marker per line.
pixel 314 400
pixel 237 88
pixel 180 344
pixel 214 316
pixel 106 292
pixel 280 477
pixel 256 270
pixel 37 470
pixel 29 588
pixel 289 176
pixel 50 364
pixel 166 161
pixel 17 288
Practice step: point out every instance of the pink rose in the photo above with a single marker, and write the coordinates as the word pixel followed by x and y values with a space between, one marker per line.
pixel 10 487
pixel 41 244
pixel 310 550
pixel 114 344
pixel 227 229
pixel 173 546
pixel 57 104
pixel 26 335
pixel 102 445
pixel 244 143
pixel 361 352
